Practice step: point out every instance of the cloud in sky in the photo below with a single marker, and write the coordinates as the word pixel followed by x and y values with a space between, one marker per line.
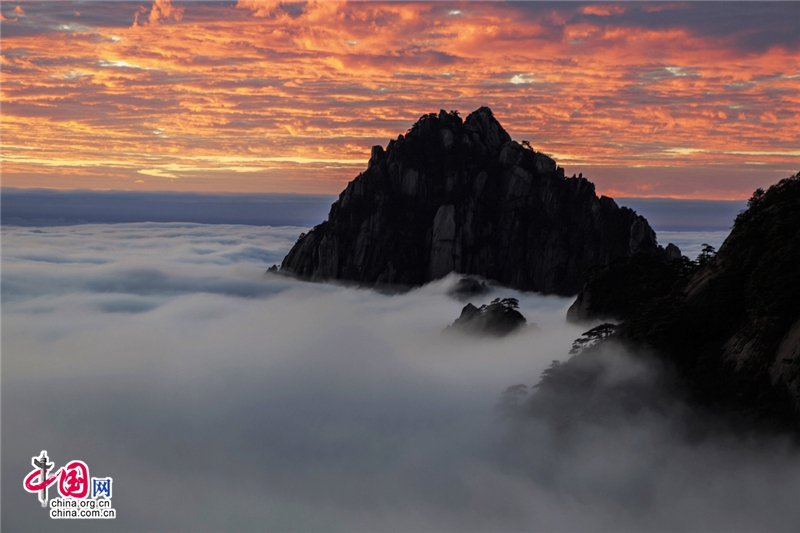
pixel 612 90
pixel 220 399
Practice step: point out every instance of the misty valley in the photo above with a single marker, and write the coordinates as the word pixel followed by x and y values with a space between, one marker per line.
pixel 163 352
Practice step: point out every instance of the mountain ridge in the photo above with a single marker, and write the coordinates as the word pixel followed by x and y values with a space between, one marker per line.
pixel 462 196
pixel 729 322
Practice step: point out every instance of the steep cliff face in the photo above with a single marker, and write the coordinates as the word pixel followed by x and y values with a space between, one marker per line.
pixel 464 197
pixel 732 325
pixel 746 301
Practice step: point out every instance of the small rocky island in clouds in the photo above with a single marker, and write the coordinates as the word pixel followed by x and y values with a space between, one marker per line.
pixel 453 195
pixel 462 196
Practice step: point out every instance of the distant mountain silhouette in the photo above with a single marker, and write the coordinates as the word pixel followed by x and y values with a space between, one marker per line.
pixel 453 195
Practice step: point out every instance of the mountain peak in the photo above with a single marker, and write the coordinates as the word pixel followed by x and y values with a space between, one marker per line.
pixel 489 129
pixel 481 131
pixel 453 195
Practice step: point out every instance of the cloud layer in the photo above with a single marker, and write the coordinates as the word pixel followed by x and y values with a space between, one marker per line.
pixel 52 207
pixel 221 399
pixel 648 99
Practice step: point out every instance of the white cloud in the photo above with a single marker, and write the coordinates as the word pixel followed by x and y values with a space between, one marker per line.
pixel 518 79
pixel 157 172
pixel 161 355
pixel 118 64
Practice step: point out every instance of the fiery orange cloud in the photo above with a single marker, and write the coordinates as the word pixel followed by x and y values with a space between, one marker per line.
pixel 280 97
pixel 161 10
pixel 603 11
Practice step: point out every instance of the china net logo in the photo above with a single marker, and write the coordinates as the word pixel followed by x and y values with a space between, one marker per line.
pixel 81 496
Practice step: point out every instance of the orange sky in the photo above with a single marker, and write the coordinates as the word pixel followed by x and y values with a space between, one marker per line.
pixel 656 99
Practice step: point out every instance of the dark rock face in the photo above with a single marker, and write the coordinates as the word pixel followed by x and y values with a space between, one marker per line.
pixel 729 323
pixel 622 288
pixel 464 197
pixel 497 319
pixel 745 302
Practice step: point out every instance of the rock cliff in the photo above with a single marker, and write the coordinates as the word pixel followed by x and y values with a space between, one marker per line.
pixel 730 322
pixel 497 319
pixel 453 195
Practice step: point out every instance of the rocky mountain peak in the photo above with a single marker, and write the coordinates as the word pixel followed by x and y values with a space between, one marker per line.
pixel 453 195
pixel 489 131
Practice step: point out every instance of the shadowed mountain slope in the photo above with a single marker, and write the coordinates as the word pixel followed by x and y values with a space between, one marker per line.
pixel 729 323
pixel 453 195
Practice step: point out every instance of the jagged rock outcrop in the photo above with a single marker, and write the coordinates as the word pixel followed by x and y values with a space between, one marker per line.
pixel 497 319
pixel 453 195
pixel 745 304
pixel 731 327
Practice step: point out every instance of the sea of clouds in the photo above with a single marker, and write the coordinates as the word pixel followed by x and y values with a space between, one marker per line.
pixel 223 399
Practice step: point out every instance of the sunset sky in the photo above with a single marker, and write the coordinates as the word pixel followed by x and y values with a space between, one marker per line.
pixel 689 100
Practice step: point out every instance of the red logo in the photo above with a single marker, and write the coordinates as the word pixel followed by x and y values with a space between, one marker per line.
pixel 73 479
pixel 32 486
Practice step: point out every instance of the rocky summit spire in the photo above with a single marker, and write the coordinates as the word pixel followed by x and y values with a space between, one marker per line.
pixel 453 195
